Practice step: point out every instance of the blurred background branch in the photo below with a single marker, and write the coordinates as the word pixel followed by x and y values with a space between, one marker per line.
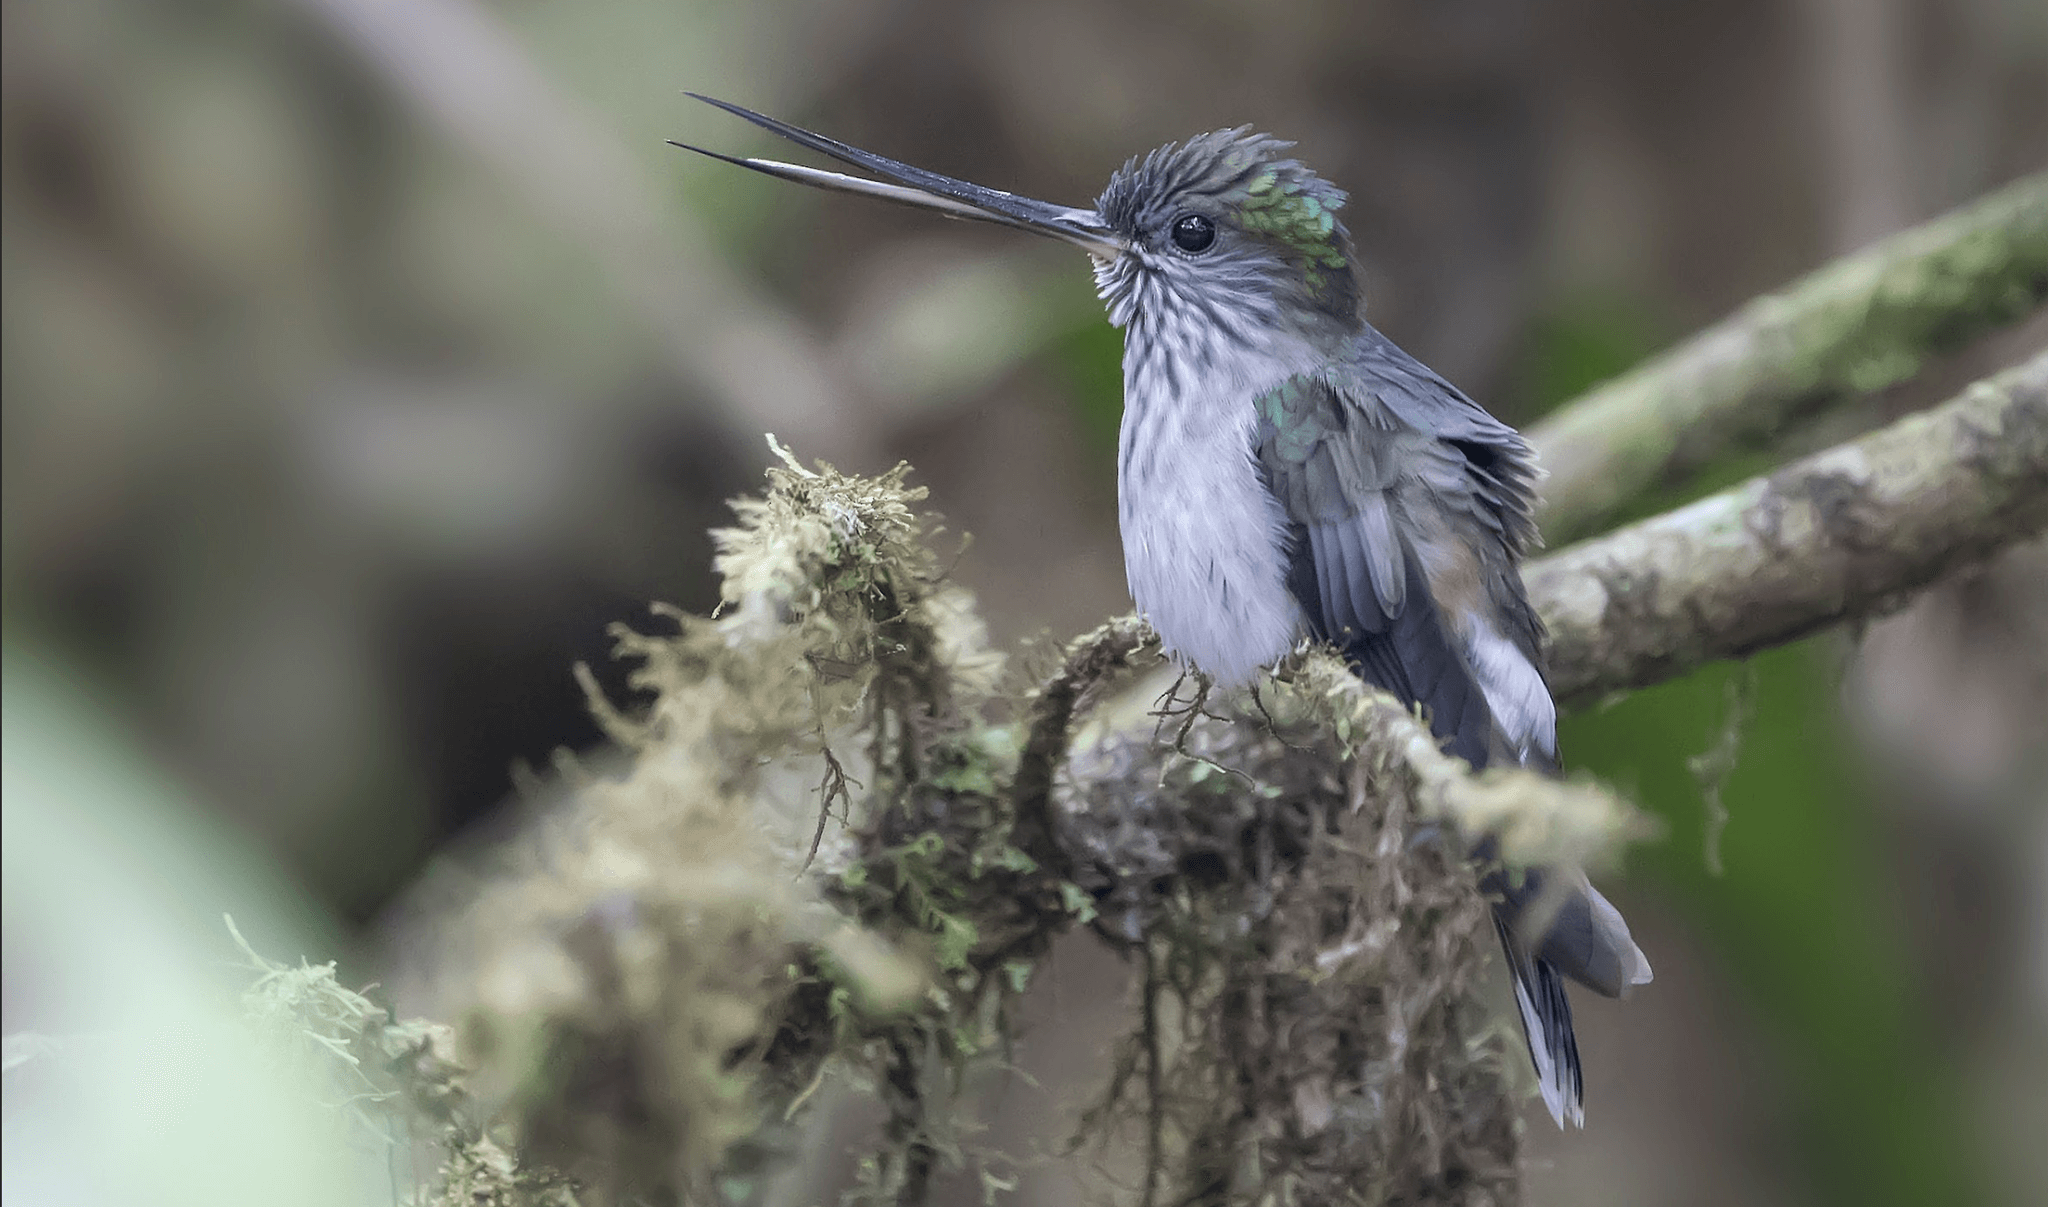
pixel 458 65
pixel 1860 324
pixel 1844 535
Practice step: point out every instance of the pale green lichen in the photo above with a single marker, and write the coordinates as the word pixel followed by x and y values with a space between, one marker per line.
pixel 1858 324
pixel 1711 767
pixel 655 979
pixel 1539 820
pixel 395 1084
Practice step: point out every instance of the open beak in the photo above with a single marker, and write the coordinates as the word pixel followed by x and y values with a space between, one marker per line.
pixel 921 189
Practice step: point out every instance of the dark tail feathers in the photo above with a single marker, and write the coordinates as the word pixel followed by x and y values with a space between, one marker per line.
pixel 1547 1026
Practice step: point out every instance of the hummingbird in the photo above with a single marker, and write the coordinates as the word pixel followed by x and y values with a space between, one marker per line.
pixel 1285 471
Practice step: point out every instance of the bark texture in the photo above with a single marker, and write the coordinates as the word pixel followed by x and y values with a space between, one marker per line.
pixel 1841 534
pixel 1861 323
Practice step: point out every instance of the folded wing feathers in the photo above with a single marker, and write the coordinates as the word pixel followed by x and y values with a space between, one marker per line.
pixel 1376 604
pixel 1381 547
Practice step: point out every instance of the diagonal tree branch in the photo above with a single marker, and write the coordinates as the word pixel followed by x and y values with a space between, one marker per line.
pixel 1841 534
pixel 756 365
pixel 1861 323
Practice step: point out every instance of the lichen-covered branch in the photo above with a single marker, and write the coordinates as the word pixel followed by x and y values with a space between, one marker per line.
pixel 1319 945
pixel 1858 324
pixel 1090 662
pixel 1841 534
pixel 659 977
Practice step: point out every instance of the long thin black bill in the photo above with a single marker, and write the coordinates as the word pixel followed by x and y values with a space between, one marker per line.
pixel 919 188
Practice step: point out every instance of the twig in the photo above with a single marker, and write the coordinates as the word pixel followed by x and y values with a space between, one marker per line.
pixel 831 787
pixel 1090 660
pixel 906 1124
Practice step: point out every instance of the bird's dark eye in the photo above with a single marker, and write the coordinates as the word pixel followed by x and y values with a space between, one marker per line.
pixel 1193 233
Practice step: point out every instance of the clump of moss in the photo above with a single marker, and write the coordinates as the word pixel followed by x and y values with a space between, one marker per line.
pixel 1310 1028
pixel 395 1082
pixel 654 978
pixel 1289 867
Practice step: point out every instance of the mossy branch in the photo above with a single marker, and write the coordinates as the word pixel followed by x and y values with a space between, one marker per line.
pixel 1845 533
pixel 1861 323
pixel 1090 663
pixel 655 983
pixel 1292 873
pixel 660 985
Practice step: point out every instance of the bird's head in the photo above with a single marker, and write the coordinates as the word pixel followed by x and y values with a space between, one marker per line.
pixel 1224 230
pixel 1218 237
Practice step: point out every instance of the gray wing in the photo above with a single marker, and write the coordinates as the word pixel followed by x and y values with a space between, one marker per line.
pixel 1408 507
pixel 1499 464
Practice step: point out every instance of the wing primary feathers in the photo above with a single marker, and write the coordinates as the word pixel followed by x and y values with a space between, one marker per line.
pixel 1382 548
pixel 1361 571
pixel 1327 583
pixel 1351 595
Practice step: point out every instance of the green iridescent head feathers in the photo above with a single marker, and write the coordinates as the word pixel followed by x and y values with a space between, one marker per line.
pixel 1241 179
pixel 1295 214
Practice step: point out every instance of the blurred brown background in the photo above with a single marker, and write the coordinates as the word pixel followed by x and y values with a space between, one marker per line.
pixel 364 358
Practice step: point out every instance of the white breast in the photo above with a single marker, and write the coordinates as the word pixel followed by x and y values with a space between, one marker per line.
pixel 1204 541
